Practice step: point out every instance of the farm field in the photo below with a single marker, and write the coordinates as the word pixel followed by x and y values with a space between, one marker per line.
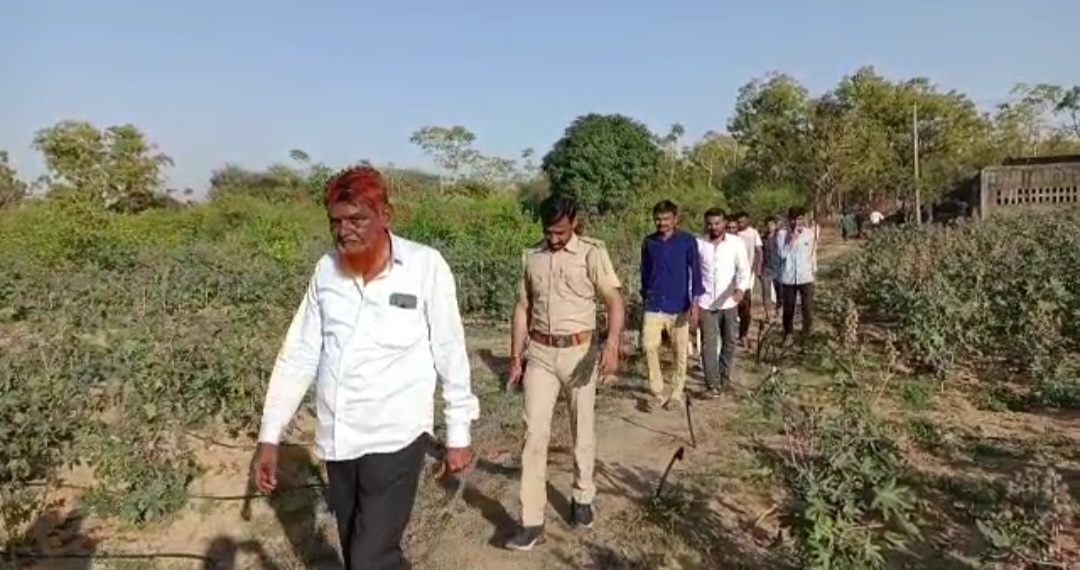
pixel 952 450
pixel 933 422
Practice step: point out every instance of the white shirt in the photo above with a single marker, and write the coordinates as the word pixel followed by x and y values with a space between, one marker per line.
pixel 725 268
pixel 752 239
pixel 375 351
pixel 876 217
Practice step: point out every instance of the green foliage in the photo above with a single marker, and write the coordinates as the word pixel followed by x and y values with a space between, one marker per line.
pixel 603 160
pixel 1024 529
pixel 764 201
pixel 846 507
pixel 116 168
pixel 989 296
pixel 855 143
pixel 12 189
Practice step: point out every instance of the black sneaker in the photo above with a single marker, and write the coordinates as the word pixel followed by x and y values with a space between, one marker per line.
pixel 526 538
pixel 713 392
pixel 581 515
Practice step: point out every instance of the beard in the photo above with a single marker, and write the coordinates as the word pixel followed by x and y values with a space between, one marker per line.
pixel 365 260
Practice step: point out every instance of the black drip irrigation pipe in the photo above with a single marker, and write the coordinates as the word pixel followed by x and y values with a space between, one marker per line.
pixel 293 489
pixel 16 555
pixel 27 555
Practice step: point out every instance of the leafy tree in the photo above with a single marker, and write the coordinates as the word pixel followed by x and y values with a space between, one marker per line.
pixel 673 162
pixel 711 159
pixel 856 142
pixel 451 147
pixel 771 121
pixel 12 188
pixel 602 160
pixel 115 167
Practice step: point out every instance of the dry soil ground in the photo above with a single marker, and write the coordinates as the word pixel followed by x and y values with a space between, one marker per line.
pixel 727 524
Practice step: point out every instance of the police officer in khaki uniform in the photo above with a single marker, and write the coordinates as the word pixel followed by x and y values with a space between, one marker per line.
pixel 556 311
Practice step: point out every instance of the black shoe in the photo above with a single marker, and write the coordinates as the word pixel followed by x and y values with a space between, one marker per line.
pixel 581 515
pixel 713 392
pixel 526 538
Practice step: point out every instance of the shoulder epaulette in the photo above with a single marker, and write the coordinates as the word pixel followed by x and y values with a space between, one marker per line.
pixel 593 242
pixel 536 247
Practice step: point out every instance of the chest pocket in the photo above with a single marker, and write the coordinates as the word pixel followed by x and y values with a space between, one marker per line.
pixel 539 275
pixel 573 276
pixel 338 308
pixel 398 317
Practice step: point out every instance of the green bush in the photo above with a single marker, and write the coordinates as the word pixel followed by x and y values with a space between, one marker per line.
pixel 999 296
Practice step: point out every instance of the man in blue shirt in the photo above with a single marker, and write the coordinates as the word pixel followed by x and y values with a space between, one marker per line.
pixel 670 282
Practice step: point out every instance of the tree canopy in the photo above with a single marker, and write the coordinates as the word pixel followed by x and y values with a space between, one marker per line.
pixel 602 160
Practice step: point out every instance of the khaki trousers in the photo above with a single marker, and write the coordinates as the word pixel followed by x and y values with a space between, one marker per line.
pixel 548 372
pixel 678 329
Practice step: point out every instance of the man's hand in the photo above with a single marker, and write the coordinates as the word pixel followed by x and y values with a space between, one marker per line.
pixel 692 316
pixel 264 467
pixel 737 296
pixel 516 372
pixel 609 359
pixel 458 459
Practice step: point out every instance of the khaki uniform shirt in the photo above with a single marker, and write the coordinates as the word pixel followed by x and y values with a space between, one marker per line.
pixel 562 286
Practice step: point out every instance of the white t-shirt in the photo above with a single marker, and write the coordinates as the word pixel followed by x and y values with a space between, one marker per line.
pixel 876 217
pixel 752 239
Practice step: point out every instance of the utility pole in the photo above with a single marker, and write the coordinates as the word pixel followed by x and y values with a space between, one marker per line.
pixel 915 153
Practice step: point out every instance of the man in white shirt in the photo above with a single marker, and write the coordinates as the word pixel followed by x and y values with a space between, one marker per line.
pixel 376 329
pixel 752 239
pixel 726 278
pixel 798 258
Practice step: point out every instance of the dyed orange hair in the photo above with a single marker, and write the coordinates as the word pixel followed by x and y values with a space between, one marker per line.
pixel 358 184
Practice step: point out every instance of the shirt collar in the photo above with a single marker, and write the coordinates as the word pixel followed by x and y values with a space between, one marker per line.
pixel 675 234
pixel 397 250
pixel 573 244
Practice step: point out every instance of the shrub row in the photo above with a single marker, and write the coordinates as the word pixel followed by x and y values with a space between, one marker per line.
pixel 1000 296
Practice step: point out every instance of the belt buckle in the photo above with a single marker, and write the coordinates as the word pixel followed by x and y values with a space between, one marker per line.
pixel 562 341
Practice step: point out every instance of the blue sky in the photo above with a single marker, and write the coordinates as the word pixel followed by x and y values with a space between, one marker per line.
pixel 247 80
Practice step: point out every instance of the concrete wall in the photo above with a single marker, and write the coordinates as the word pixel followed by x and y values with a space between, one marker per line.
pixel 1028 187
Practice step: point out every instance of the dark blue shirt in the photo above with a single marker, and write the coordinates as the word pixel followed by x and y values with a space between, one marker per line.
pixel 670 273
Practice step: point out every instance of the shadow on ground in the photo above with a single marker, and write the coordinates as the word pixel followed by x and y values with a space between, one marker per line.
pixel 679 525
pixel 300 510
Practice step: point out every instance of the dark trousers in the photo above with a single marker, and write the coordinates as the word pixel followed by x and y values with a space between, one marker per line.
pixel 372 498
pixel 718 326
pixel 744 307
pixel 804 294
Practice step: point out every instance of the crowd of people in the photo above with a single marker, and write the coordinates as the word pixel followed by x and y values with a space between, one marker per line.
pixel 378 329
pixel 703 287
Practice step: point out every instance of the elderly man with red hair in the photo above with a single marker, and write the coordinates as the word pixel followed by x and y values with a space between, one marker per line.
pixel 377 328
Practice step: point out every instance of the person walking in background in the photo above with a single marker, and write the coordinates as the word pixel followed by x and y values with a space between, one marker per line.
pixel 752 239
pixel 798 255
pixel 731 227
pixel 770 269
pixel 876 217
pixel 847 225
pixel 376 330
pixel 670 282
pixel 726 278
pixel 562 278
